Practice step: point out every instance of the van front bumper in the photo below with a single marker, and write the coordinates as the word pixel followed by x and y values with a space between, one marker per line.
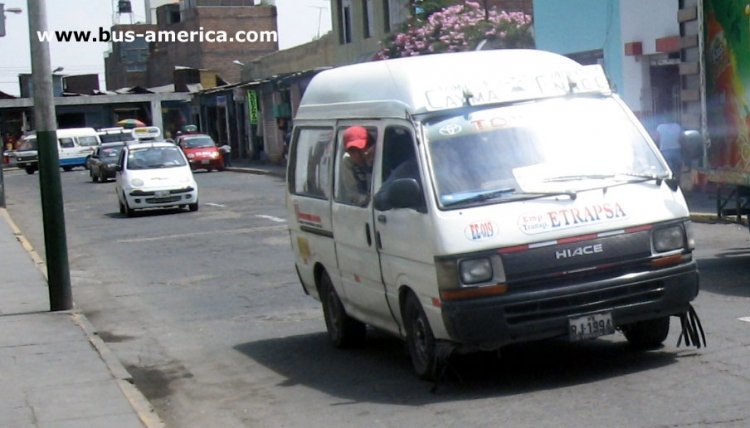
pixel 490 323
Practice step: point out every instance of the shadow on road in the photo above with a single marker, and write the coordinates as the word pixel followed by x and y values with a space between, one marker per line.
pixel 381 371
pixel 726 273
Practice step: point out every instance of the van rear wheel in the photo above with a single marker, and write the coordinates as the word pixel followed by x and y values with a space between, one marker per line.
pixel 647 334
pixel 419 338
pixel 343 330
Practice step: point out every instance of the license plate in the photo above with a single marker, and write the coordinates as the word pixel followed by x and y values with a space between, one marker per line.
pixel 161 193
pixel 590 326
pixel 205 162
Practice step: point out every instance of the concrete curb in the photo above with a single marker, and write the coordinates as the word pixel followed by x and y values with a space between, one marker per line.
pixel 258 171
pixel 137 400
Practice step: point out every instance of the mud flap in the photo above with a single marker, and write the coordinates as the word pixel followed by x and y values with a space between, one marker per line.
pixel 692 330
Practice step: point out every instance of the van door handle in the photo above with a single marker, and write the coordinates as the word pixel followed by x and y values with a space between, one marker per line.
pixel 381 218
pixel 367 234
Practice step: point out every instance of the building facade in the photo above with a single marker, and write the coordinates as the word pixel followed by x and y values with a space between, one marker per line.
pixel 249 31
pixel 126 64
pixel 198 34
pixel 636 41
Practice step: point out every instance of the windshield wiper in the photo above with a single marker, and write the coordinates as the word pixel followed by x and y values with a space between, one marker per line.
pixel 516 196
pixel 482 196
pixel 578 177
pixel 644 176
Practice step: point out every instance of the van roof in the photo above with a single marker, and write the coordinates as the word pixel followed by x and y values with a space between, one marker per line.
pixel 72 132
pixel 429 83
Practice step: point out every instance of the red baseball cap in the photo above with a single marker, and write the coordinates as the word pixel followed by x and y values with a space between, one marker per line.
pixel 355 137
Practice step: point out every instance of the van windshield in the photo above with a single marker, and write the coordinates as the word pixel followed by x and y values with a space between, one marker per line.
pixel 537 148
pixel 116 137
pixel 88 141
pixel 28 143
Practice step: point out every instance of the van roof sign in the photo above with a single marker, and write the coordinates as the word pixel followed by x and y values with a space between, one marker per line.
pixel 147 132
pixel 588 79
pixel 429 83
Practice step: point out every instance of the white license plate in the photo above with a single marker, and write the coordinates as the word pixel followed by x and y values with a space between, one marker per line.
pixel 590 326
pixel 205 162
pixel 162 193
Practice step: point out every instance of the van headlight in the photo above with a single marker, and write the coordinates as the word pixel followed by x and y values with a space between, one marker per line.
pixel 461 278
pixel 473 271
pixel 668 238
pixel 136 182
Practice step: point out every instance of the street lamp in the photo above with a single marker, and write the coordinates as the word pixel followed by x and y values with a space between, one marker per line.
pixel 238 62
pixel 2 16
pixel 57 70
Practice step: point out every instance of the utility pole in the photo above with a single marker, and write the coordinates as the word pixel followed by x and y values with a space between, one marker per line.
pixel 53 214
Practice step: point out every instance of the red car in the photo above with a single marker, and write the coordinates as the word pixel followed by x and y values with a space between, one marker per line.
pixel 201 152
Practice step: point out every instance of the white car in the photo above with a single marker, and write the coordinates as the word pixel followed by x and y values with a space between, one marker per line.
pixel 154 175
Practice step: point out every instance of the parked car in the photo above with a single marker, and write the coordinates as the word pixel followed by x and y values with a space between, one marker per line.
pixel 154 175
pixel 201 152
pixel 101 164
pixel 26 154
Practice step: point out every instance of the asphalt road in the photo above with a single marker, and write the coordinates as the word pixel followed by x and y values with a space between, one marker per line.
pixel 205 311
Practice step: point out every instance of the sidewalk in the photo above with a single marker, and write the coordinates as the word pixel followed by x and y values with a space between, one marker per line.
pixel 54 370
pixel 257 167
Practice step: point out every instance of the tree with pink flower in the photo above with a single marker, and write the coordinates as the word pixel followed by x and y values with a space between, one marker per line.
pixel 460 27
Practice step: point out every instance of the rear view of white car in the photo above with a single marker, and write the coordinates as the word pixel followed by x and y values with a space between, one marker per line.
pixel 154 175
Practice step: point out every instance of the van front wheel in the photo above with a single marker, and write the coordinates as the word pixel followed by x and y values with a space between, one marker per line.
pixel 343 330
pixel 419 338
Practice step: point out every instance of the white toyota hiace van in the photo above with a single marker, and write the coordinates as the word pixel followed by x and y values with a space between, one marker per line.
pixel 511 197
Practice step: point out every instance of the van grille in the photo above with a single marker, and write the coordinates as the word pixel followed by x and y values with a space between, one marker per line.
pixel 578 302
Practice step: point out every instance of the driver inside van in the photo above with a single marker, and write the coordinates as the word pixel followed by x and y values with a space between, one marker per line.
pixel 356 167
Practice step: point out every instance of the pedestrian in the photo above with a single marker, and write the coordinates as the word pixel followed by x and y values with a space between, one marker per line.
pixel 226 152
pixel 668 136
pixel 356 166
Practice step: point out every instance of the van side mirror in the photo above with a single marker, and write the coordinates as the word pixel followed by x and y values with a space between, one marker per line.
pixel 400 193
pixel 692 144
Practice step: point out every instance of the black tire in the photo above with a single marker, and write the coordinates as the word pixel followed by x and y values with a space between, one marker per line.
pixel 67 168
pixel 193 207
pixel 343 330
pixel 30 170
pixel 94 178
pixel 125 209
pixel 122 207
pixel 419 339
pixel 648 334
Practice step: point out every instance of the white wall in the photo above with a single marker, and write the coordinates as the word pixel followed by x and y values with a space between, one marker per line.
pixel 643 21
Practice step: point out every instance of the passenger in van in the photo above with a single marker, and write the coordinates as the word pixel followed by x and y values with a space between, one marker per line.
pixel 356 167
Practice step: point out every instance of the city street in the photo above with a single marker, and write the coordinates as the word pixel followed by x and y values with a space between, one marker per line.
pixel 204 309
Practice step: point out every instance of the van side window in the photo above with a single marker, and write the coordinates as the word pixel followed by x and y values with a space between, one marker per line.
pixel 355 155
pixel 312 162
pixel 399 155
pixel 66 143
